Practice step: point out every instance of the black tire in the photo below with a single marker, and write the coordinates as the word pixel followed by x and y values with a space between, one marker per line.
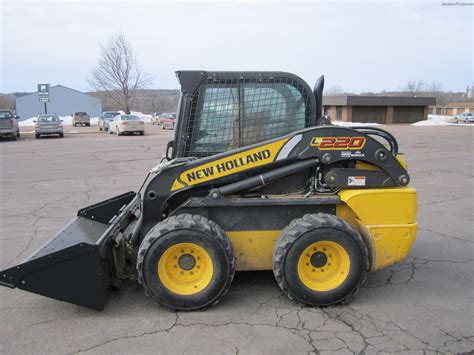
pixel 100 128
pixel 13 137
pixel 142 133
pixel 304 232
pixel 61 135
pixel 186 228
pixel 37 136
pixel 18 134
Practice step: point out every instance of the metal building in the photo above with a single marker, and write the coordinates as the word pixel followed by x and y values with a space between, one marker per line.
pixel 377 109
pixel 63 101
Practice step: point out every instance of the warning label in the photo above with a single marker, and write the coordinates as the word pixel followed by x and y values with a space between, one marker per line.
pixel 356 181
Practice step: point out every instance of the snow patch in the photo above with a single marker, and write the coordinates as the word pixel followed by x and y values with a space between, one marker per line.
pixel 352 124
pixel 438 120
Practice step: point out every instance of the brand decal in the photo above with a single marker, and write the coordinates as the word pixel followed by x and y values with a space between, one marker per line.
pixel 229 165
pixel 338 143
pixel 352 154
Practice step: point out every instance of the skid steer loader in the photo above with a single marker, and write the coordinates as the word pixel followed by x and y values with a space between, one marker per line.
pixel 255 179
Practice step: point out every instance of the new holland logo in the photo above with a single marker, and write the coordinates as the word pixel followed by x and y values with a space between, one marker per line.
pixel 229 165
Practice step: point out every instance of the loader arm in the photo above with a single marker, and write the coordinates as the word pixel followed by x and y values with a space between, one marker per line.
pixel 334 150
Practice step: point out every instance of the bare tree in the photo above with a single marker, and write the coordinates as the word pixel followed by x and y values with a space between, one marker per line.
pixel 118 74
pixel 334 91
pixel 413 87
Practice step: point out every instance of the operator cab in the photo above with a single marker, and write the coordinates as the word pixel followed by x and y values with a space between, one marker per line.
pixel 222 111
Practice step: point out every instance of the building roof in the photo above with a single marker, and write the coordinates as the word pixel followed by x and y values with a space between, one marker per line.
pixel 61 86
pixel 356 100
pixel 461 104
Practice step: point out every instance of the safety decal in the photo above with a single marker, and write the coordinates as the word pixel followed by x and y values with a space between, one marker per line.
pixel 356 180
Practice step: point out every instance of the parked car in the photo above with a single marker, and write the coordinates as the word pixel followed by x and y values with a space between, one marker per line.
pixel 9 125
pixel 130 124
pixel 155 118
pixel 81 118
pixel 168 120
pixel 48 124
pixel 465 117
pixel 106 118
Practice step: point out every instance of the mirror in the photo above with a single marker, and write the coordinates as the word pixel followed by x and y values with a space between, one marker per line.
pixel 17 117
pixel 169 147
pixel 34 121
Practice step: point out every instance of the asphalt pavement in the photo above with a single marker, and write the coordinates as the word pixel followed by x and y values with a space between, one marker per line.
pixel 422 305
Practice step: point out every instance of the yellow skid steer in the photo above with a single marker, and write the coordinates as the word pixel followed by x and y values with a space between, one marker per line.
pixel 256 178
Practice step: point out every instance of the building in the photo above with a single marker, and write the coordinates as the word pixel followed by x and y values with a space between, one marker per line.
pixel 377 109
pixel 456 108
pixel 63 101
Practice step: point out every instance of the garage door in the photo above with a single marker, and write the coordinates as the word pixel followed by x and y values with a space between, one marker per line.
pixel 407 114
pixel 374 114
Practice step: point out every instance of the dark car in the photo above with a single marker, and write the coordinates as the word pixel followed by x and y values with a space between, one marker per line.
pixel 48 124
pixel 9 125
pixel 106 118
pixel 168 120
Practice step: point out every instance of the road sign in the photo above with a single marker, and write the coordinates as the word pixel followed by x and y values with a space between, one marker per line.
pixel 43 93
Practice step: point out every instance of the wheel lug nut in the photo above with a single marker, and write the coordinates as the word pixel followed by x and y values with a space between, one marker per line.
pixel 198 267
pixel 175 265
pixel 322 270
pixel 313 270
pixel 175 257
pixel 307 264
pixel 181 272
pixel 182 251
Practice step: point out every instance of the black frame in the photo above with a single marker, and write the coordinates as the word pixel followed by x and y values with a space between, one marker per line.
pixel 192 80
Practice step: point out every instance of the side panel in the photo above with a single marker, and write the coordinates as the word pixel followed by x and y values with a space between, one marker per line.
pixel 253 230
pixel 386 218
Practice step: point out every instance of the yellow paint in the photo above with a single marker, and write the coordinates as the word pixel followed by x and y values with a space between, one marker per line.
pixel 385 218
pixel 185 281
pixel 361 165
pixel 329 276
pixel 253 249
pixel 231 164
pixel 402 162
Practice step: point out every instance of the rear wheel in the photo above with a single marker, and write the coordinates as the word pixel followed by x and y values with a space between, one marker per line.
pixel 142 133
pixel 13 137
pixel 117 132
pixel 61 135
pixel 37 136
pixel 186 262
pixel 320 260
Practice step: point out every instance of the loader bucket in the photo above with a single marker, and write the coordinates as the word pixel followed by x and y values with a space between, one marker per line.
pixel 76 265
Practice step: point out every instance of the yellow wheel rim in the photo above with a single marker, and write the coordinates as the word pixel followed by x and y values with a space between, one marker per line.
pixel 185 268
pixel 323 266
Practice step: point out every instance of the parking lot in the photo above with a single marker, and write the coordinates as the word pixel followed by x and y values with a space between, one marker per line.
pixel 423 304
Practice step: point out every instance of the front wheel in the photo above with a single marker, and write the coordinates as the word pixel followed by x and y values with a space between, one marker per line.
pixel 320 260
pixel 186 262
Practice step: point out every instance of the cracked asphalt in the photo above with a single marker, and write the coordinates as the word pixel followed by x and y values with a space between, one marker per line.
pixel 422 305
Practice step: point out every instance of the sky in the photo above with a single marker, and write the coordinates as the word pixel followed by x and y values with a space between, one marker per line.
pixel 358 46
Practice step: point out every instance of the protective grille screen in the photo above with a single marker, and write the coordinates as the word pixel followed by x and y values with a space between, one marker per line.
pixel 232 113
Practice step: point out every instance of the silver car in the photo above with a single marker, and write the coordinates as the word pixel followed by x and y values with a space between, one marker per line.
pixel 127 124
pixel 465 117
pixel 48 124
pixel 106 118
